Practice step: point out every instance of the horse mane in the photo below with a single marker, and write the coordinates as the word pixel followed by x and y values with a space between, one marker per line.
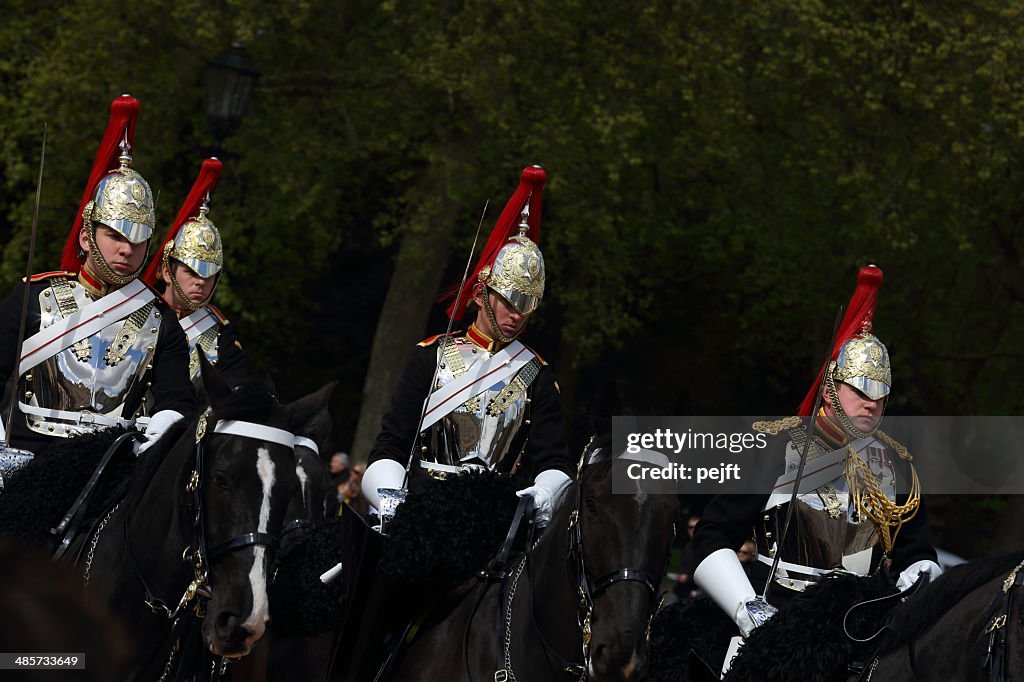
pixel 936 598
pixel 149 461
pixel 251 401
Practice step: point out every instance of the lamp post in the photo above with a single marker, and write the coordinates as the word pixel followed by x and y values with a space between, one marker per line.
pixel 230 77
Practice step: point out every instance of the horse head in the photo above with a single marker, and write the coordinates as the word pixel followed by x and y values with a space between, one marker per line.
pixel 247 479
pixel 622 543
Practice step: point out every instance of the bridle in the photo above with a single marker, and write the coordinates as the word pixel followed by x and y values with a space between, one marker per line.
pixel 199 551
pixel 589 590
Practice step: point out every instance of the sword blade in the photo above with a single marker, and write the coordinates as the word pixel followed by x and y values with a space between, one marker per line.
pixel 448 331
pixel 24 300
pixel 803 460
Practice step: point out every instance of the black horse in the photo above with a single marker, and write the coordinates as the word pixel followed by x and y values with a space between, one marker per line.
pixel 580 601
pixel 286 652
pixel 967 625
pixel 194 538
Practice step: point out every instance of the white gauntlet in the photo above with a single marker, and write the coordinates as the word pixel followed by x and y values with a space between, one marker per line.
pixel 158 424
pixel 546 492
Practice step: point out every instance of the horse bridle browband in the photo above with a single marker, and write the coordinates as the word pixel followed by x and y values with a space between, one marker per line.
pixel 198 550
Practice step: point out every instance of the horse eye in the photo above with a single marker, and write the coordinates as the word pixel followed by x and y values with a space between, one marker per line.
pixel 221 481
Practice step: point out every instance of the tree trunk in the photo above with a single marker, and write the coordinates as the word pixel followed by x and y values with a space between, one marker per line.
pixel 414 285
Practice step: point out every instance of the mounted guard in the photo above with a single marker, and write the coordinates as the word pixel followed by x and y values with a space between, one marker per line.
pixel 486 390
pixel 456 435
pixel 97 337
pixel 187 268
pixel 854 518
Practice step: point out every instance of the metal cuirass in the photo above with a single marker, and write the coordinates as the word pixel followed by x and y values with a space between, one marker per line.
pixel 207 344
pixel 483 429
pixel 825 533
pixel 93 377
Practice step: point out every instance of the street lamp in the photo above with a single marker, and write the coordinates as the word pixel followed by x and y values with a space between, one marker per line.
pixel 230 77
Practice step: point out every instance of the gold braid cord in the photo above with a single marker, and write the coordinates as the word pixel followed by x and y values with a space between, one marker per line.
pixel 872 503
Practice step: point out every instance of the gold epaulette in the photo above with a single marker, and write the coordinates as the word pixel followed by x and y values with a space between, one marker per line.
pixel 218 314
pixel 48 275
pixel 433 339
pixel 774 428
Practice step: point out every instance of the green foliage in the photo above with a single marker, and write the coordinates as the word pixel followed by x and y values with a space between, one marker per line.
pixel 718 171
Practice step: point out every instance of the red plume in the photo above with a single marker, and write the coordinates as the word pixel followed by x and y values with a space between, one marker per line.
pixel 531 184
pixel 858 316
pixel 209 174
pixel 124 115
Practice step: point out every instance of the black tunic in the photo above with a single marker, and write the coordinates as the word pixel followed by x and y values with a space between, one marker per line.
pixel 545 447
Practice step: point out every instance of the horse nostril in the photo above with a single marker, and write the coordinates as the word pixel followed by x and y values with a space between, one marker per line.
pixel 228 625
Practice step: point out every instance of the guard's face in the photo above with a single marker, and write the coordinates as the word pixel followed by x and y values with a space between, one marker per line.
pixel 198 289
pixel 509 320
pixel 864 412
pixel 121 255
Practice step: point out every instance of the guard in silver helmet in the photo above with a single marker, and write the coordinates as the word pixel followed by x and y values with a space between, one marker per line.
pixel 490 390
pixel 187 268
pixel 97 338
pixel 856 520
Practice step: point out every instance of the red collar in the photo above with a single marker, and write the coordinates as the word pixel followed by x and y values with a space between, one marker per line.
pixel 483 340
pixel 828 431
pixel 93 284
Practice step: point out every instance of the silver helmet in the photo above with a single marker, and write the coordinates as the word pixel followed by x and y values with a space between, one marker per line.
pixel 518 270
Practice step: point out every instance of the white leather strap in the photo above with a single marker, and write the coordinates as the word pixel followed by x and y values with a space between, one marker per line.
pixel 112 308
pixel 233 427
pixel 475 381
pixel 80 418
pixel 303 442
pixel 197 323
pixel 796 568
pixel 817 472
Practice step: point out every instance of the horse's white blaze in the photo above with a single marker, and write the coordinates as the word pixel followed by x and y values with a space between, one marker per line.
pixel 257 619
pixel 303 481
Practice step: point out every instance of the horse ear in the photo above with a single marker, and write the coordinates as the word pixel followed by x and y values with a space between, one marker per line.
pixel 309 416
pixel 214 386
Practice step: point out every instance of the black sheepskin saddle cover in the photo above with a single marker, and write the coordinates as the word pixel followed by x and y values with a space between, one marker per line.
pixel 806 640
pixel 38 495
pixel 299 602
pixel 692 628
pixel 447 530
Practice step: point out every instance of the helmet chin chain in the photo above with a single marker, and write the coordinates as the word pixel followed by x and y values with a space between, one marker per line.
pixel 837 407
pixel 105 272
pixel 186 302
pixel 495 327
